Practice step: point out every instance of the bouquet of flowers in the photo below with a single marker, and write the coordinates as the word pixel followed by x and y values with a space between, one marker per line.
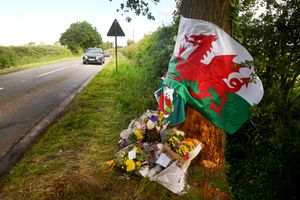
pixel 151 149
pixel 145 129
pixel 181 145
pixel 130 160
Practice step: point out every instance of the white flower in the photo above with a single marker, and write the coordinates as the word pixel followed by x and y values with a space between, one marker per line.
pixel 150 125
pixel 179 133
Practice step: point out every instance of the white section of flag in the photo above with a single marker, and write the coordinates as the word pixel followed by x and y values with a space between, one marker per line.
pixel 224 45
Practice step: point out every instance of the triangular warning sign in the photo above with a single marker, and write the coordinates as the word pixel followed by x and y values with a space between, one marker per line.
pixel 115 29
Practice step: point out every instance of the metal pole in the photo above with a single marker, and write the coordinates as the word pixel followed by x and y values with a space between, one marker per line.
pixel 116 53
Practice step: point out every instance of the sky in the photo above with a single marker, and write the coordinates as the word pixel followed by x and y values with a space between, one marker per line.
pixel 43 21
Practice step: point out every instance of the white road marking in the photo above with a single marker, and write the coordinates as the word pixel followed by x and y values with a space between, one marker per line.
pixel 1 88
pixel 51 72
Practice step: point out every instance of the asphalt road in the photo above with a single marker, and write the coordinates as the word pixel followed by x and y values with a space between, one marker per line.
pixel 26 97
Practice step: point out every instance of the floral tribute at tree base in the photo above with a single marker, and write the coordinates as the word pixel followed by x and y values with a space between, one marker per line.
pixel 150 148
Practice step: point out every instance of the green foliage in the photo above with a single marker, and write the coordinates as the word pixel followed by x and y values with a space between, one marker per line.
pixel 140 7
pixel 137 96
pixel 154 51
pixel 129 42
pixel 7 57
pixel 106 45
pixel 80 36
pixel 20 55
pixel 264 155
pixel 236 32
pixel 150 58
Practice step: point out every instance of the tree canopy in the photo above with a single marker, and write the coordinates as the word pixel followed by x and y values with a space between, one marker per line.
pixel 138 7
pixel 80 36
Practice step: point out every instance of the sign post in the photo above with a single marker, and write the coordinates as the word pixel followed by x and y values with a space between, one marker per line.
pixel 116 30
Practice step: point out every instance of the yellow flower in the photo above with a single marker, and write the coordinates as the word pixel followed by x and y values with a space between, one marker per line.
pixel 161 116
pixel 137 149
pixel 174 140
pixel 138 134
pixel 189 144
pixel 182 150
pixel 130 165
pixel 138 164
pixel 179 151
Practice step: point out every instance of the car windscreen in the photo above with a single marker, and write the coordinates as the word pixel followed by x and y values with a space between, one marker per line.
pixel 93 51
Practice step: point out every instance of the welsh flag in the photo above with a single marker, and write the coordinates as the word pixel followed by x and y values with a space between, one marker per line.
pixel 213 73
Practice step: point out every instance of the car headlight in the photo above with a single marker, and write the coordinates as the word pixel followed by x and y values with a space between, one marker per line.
pixel 85 56
pixel 97 57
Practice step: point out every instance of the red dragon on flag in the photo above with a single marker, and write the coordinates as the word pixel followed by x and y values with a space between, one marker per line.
pixel 209 75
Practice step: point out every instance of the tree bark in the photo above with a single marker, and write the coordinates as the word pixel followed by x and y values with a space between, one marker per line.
pixel 195 125
pixel 215 11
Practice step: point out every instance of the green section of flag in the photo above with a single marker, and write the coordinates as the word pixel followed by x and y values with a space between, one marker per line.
pixel 177 115
pixel 233 114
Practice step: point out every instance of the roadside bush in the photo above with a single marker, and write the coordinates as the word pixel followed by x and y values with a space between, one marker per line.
pixel 263 156
pixel 149 58
pixel 7 57
pixel 21 55
pixel 153 51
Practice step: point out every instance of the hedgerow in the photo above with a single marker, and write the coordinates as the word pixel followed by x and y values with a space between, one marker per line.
pixel 21 55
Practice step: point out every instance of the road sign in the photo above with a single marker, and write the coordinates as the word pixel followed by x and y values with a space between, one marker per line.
pixel 116 30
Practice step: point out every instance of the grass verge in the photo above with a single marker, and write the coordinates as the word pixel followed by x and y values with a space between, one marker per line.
pixel 69 160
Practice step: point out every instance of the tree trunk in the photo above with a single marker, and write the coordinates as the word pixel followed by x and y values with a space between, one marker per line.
pixel 195 125
pixel 215 11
